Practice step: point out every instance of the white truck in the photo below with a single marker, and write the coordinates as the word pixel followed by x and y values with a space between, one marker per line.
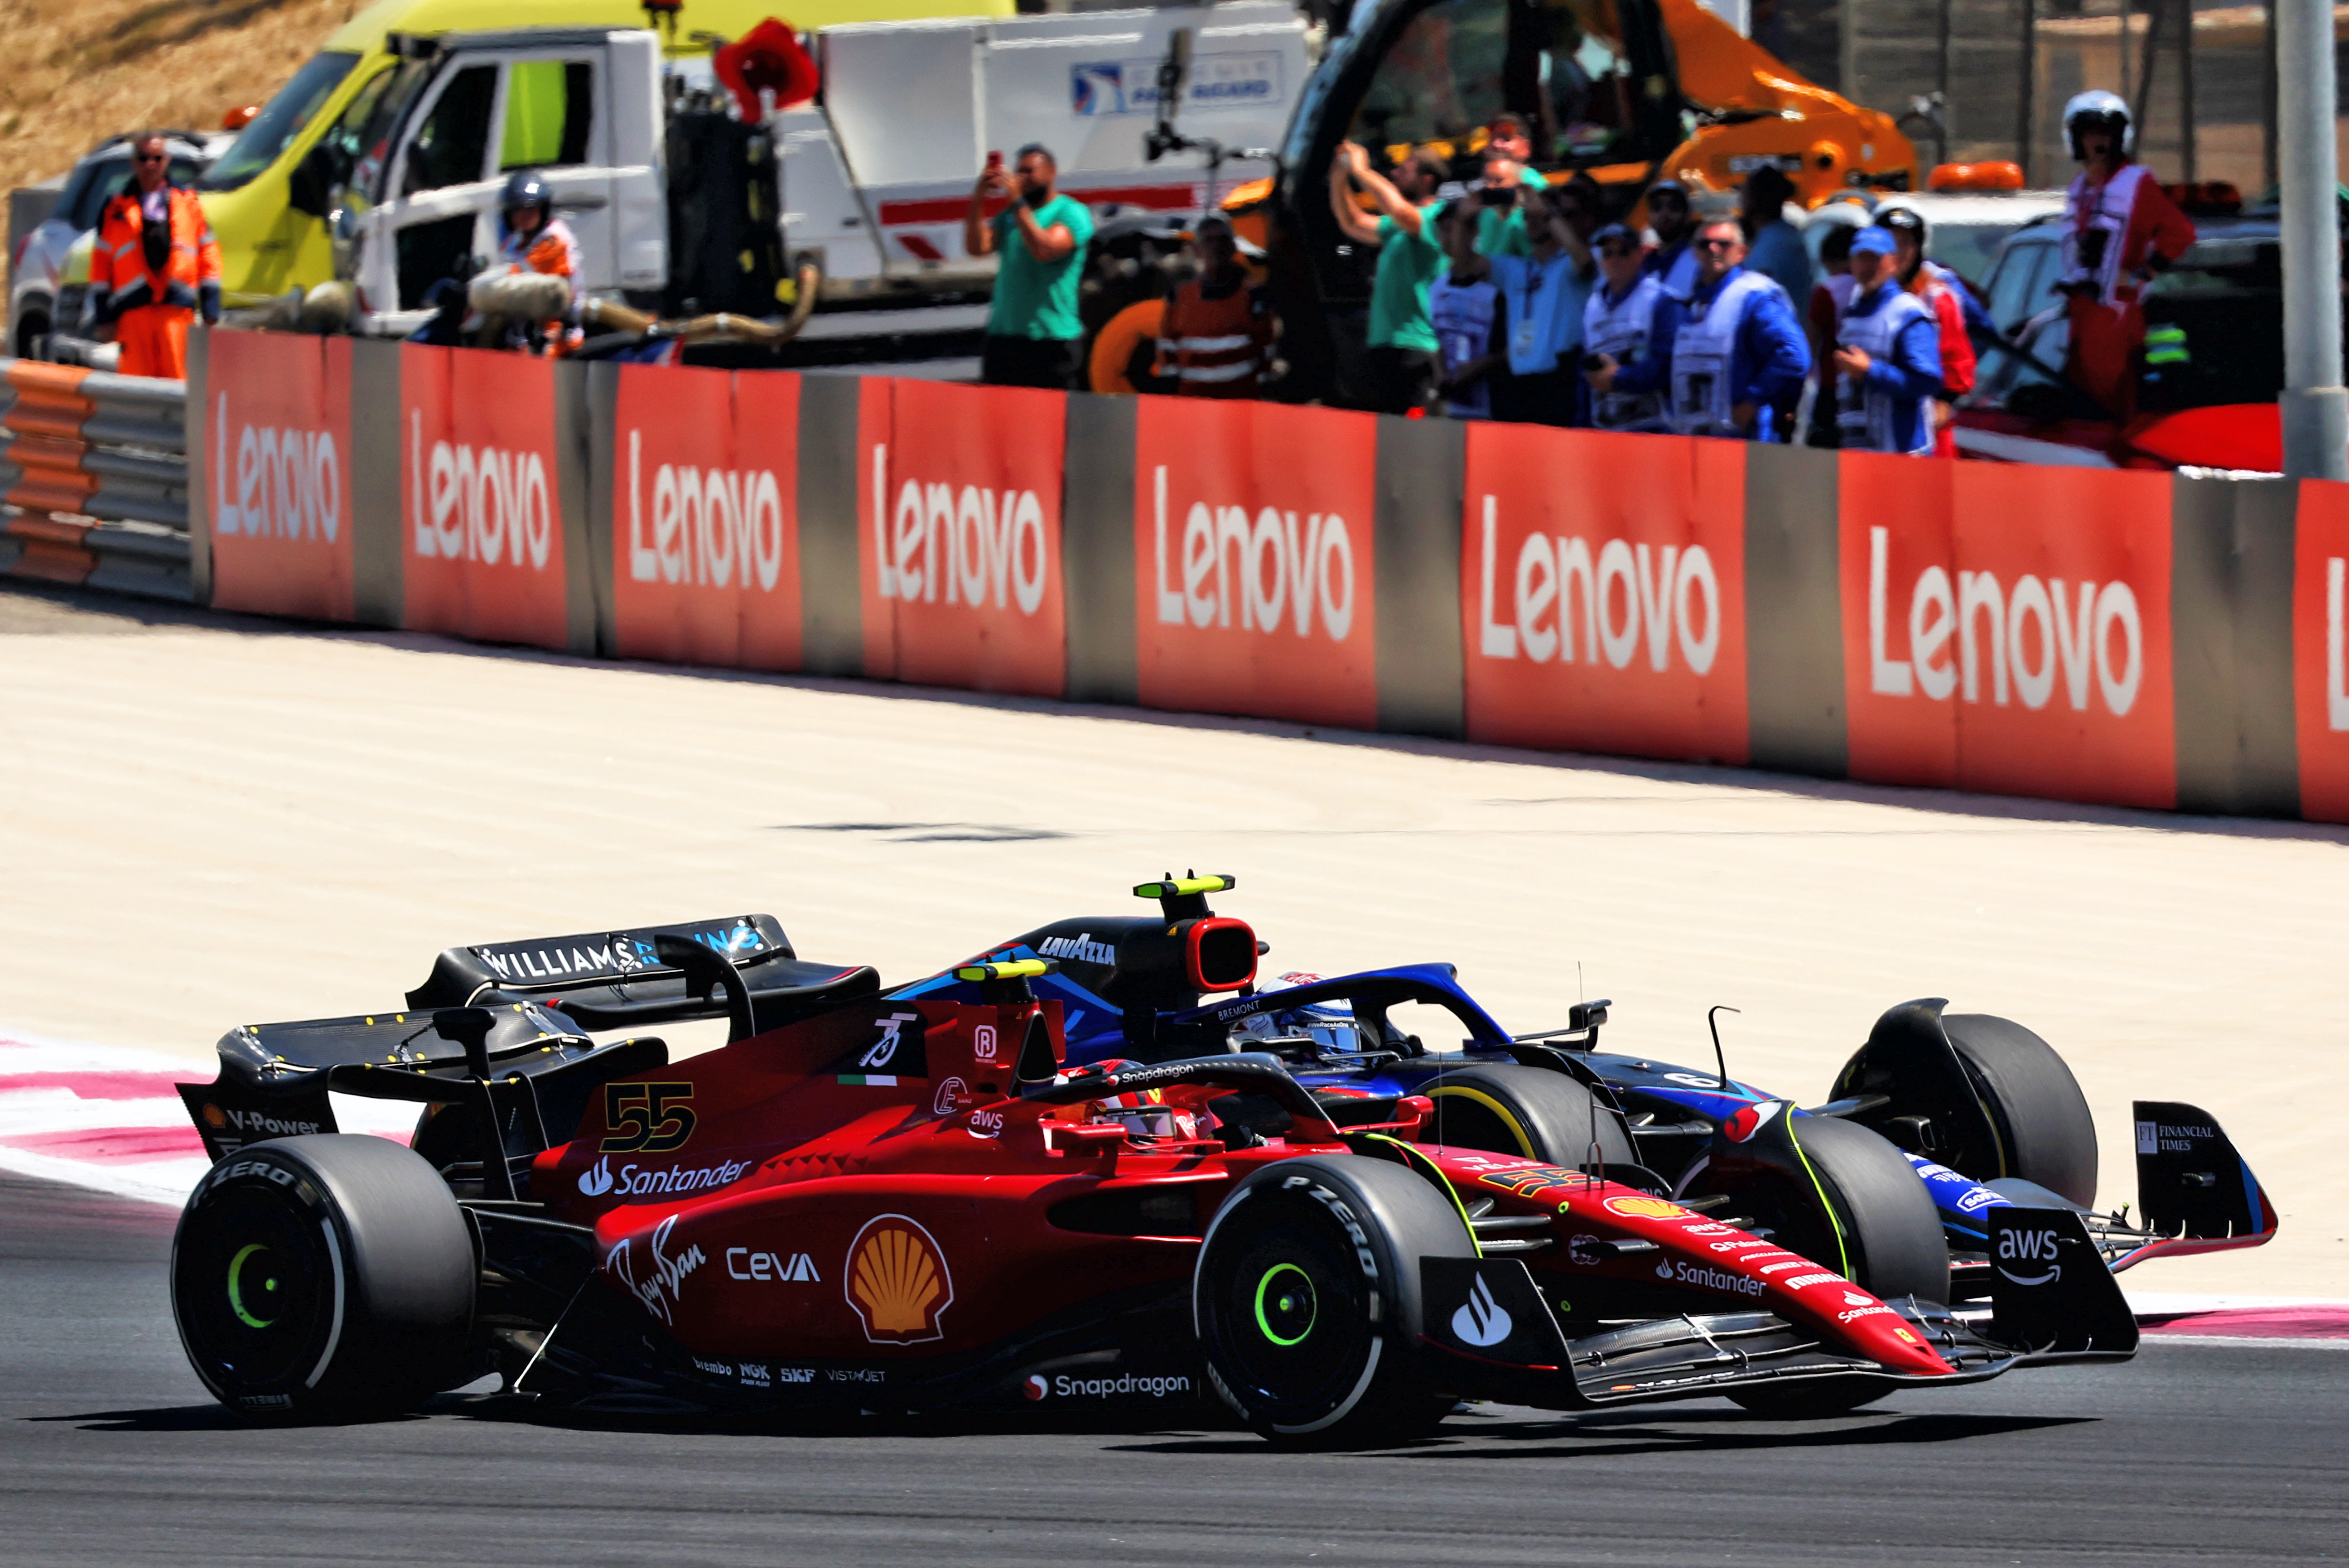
pixel 869 182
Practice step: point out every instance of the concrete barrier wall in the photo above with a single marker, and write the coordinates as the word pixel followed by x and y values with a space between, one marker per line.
pixel 2129 637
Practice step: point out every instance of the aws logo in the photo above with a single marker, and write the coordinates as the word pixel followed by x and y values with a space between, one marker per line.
pixel 2029 1250
pixel 898 1282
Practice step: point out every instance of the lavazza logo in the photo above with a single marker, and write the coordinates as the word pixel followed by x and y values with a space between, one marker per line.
pixel 288 482
pixel 1080 947
pixel 711 527
pixel 485 504
pixel 1670 600
pixel 1261 573
pixel 2090 633
pixel 970 546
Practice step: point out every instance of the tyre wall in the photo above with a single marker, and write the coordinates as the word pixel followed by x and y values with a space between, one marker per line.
pixel 2127 638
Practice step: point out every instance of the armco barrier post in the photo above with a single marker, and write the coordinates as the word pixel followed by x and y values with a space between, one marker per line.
pixel 601 416
pixel 832 618
pixel 572 465
pixel 198 429
pixel 1422 472
pixel 1794 703
pixel 2230 619
pixel 376 568
pixel 1096 548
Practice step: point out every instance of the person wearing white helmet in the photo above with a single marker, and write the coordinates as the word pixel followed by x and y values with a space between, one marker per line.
pixel 2121 230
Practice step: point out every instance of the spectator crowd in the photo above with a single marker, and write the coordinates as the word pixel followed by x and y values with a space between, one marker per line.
pixel 1514 300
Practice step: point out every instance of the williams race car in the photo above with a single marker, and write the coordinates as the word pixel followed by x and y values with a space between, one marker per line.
pixel 1937 1122
pixel 881 1203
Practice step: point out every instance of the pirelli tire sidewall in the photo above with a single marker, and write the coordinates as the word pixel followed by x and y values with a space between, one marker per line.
pixel 322 1279
pixel 1534 1112
pixel 1358 1227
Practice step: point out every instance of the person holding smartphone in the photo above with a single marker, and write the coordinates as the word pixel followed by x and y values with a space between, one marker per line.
pixel 1034 337
pixel 1542 295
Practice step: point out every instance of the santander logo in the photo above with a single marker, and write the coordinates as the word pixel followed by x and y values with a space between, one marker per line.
pixel 487 506
pixel 289 482
pixel 1268 572
pixel 1572 605
pixel 711 527
pixel 971 545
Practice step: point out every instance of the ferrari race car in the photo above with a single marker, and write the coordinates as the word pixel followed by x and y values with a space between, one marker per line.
pixel 881 1203
pixel 1937 1122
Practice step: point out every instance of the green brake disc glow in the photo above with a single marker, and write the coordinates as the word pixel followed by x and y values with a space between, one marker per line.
pixel 235 1290
pixel 1264 1323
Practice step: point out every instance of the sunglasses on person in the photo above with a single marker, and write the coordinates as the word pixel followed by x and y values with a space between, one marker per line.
pixel 150 157
pixel 1617 252
pixel 1716 244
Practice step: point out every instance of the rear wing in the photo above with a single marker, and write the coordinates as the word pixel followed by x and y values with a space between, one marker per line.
pixel 648 974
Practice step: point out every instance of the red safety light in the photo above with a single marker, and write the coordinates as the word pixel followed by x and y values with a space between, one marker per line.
pixel 2207 198
pixel 766 60
pixel 1998 174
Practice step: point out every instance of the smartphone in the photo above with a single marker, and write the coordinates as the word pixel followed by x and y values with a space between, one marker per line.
pixel 1497 195
pixel 994 162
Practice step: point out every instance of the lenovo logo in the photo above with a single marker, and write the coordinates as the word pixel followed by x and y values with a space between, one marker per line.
pixel 971 545
pixel 1627 603
pixel 486 505
pixel 710 528
pixel 289 482
pixel 1264 573
pixel 2018 644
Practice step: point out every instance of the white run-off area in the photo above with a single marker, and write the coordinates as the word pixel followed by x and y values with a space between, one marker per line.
pixel 201 826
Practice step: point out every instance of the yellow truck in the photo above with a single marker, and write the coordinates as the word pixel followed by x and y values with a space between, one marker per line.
pixel 254 193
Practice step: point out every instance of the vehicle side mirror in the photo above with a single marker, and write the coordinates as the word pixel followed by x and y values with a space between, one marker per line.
pixel 1587 1015
pixel 310 187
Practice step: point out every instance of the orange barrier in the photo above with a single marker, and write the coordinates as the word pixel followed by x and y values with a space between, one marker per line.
pixel 45 424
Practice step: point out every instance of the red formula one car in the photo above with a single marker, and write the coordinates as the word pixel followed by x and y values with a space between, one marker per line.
pixel 909 1205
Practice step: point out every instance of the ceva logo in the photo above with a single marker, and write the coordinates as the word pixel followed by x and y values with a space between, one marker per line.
pixel 709 527
pixel 1273 569
pixel 2077 629
pixel 970 546
pixel 487 505
pixel 1671 599
pixel 289 482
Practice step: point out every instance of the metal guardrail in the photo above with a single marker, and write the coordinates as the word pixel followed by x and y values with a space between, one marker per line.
pixel 96 470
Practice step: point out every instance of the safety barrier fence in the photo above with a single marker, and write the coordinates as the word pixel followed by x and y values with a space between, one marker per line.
pixel 96 476
pixel 2132 637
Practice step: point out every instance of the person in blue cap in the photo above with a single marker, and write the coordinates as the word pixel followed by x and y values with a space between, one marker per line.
pixel 1887 355
pixel 1619 327
pixel 1733 352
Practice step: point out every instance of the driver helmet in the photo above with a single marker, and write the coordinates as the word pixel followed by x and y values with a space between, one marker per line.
pixel 527 189
pixel 2099 110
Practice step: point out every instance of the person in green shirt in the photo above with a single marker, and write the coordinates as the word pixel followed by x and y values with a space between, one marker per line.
pixel 1033 336
pixel 1403 365
pixel 1508 154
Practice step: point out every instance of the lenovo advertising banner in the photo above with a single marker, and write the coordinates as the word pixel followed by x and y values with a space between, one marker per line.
pixel 705 537
pixel 277 479
pixel 1253 553
pixel 1602 584
pixel 482 539
pixel 2319 651
pixel 2006 629
pixel 959 558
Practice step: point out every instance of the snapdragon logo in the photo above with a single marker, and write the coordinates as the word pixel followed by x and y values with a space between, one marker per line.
pixel 1263 574
pixel 1627 595
pixel 486 505
pixel 2022 639
pixel 289 482
pixel 711 527
pixel 973 547
pixel 1125 1385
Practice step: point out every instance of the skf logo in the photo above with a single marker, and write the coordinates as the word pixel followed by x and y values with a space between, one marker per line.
pixel 898 1282
pixel 970 546
pixel 487 505
pixel 647 1118
pixel 2090 634
pixel 289 482
pixel 1275 571
pixel 2029 1250
pixel 1670 599
pixel 710 528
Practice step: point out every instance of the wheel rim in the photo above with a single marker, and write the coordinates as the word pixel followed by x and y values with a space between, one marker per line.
pixel 254 1292
pixel 1291 1318
pixel 1286 1306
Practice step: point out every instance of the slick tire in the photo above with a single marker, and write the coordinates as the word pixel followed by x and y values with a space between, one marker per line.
pixel 2045 1133
pixel 1858 1209
pixel 1306 1302
pixel 1528 1111
pixel 323 1279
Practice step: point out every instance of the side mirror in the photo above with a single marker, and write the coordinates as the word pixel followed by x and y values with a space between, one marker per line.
pixel 1587 1014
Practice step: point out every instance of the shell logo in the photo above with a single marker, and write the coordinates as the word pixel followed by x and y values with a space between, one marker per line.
pixel 215 1116
pixel 898 1282
pixel 1646 1208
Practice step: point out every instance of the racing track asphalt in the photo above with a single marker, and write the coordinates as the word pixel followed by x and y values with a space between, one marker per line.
pixel 111 1453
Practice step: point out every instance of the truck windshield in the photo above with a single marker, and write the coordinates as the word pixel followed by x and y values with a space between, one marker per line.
pixel 279 122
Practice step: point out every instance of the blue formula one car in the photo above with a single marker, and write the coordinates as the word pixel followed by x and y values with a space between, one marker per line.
pixel 1938 1119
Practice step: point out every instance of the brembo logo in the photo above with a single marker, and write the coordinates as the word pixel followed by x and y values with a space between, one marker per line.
pixel 289 482
pixel 488 505
pixel 1261 573
pixel 2012 644
pixel 969 547
pixel 1081 947
pixel 711 527
pixel 1570 606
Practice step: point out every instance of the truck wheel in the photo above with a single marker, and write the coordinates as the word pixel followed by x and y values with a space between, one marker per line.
pixel 2044 1131
pixel 1306 1302
pixel 1530 1111
pixel 1858 1209
pixel 323 1279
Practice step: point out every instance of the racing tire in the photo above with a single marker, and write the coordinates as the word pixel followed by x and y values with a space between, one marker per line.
pixel 1858 1209
pixel 322 1279
pixel 1530 1111
pixel 2034 1104
pixel 1306 1302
